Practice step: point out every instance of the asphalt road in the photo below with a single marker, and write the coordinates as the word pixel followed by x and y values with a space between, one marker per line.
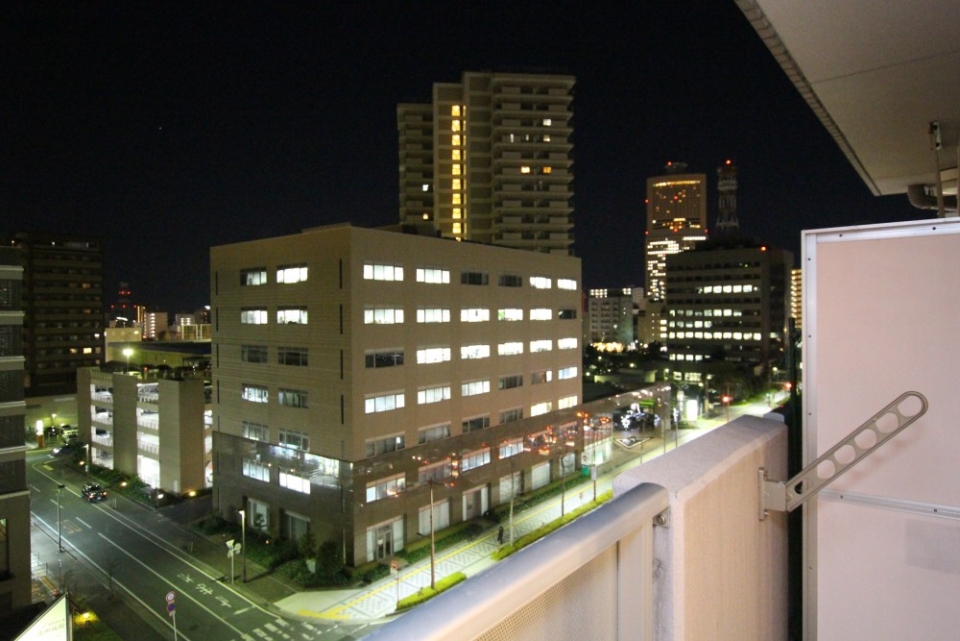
pixel 123 545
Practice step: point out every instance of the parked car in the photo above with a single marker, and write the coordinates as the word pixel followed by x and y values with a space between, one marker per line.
pixel 92 492
pixel 70 448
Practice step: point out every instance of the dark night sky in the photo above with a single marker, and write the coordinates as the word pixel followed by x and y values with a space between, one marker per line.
pixel 167 128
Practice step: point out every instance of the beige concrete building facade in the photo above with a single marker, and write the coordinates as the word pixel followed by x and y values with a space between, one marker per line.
pixel 357 372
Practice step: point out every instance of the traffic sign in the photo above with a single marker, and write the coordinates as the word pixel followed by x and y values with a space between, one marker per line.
pixel 171 596
pixel 171 607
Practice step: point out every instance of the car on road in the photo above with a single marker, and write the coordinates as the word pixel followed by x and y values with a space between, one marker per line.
pixel 93 492
pixel 69 448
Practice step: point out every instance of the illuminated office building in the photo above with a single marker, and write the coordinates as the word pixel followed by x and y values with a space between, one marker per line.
pixel 676 220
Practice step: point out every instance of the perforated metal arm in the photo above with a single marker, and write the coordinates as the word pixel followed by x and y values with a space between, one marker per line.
pixel 785 496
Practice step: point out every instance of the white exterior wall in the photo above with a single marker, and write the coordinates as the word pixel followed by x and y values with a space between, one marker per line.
pixel 880 318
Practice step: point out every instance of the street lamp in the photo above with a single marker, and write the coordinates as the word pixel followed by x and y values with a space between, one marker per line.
pixel 243 543
pixel 59 520
pixel 128 353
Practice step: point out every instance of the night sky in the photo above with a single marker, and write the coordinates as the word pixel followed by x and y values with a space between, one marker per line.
pixel 167 128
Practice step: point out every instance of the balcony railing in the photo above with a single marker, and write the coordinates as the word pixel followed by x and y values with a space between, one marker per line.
pixel 679 553
pixel 594 575
pixel 103 439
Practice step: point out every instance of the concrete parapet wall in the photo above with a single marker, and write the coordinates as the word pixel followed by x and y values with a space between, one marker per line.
pixel 719 572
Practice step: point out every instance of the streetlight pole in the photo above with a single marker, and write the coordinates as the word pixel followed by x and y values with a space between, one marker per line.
pixel 243 543
pixel 433 548
pixel 59 520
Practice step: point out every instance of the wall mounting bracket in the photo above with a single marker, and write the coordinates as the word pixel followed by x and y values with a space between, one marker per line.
pixel 785 496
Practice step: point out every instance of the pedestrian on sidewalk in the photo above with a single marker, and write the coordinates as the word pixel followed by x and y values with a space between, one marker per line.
pixel 500 536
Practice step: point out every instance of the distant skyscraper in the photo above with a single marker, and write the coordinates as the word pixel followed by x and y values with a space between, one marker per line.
pixel 796 296
pixel 124 313
pixel 490 160
pixel 676 220
pixel 727 223
pixel 63 309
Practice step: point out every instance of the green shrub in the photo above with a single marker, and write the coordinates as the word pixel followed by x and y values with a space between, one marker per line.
pixel 425 594
pixel 547 528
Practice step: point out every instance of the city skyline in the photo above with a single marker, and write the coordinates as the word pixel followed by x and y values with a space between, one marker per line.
pixel 167 130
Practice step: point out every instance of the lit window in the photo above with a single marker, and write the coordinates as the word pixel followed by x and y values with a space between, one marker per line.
pixel 547 122
pixel 293 481
pixel 250 316
pixel 455 170
pixel 455 125
pixel 433 315
pixel 256 470
pixel 433 355
pixel 566 283
pixel 387 487
pixel 374 271
pixel 456 184
pixel 292 274
pixel 292 316
pixel 437 276
pixel 566 343
pixel 385 403
pixel 567 402
pixel 474 315
pixel 457 213
pixel 456 228
pixel 509 349
pixel 541 408
pixel 455 154
pixel 254 393
pixel 455 140
pixel 525 169
pixel 473 388
pixel 567 372
pixel 541 313
pixel 541 282
pixel 510 314
pixel 426 187
pixel 511 448
pixel 433 395
pixel 457 200
pixel 455 110
pixel 546 170
pixel 474 351
pixel 383 316
pixel 471 460
pixel 541 346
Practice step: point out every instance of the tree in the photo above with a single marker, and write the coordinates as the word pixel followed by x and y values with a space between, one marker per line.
pixel 329 559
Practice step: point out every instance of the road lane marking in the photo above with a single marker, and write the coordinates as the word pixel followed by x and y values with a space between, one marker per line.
pixel 34 488
pixel 89 527
pixel 163 578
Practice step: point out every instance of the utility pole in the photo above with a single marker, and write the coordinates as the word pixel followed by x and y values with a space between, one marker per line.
pixel 59 519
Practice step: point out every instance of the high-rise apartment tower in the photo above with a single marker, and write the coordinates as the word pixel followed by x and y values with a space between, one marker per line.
pixel 490 160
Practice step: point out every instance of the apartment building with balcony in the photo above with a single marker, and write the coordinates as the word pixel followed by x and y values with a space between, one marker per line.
pixel 357 372
pixel 14 495
pixel 490 160
pixel 158 429
pixel 63 309
pixel 693 547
